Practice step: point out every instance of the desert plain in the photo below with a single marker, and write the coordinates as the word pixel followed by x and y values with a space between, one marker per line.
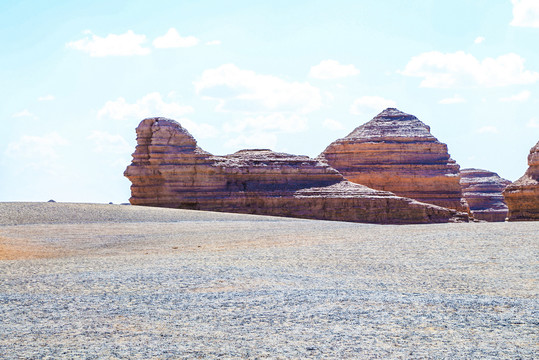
pixel 128 282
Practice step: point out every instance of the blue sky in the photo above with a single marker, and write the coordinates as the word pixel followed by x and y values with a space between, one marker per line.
pixel 288 75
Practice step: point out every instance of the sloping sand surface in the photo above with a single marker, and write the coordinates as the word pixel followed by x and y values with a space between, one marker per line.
pixel 113 281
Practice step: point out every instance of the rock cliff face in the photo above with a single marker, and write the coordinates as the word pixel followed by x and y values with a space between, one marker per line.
pixel 482 190
pixel 170 170
pixel 396 152
pixel 522 196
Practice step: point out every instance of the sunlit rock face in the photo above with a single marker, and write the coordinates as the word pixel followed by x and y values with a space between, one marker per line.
pixel 170 170
pixel 396 152
pixel 522 196
pixel 483 189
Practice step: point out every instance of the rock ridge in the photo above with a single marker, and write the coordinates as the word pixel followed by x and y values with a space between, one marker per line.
pixel 170 170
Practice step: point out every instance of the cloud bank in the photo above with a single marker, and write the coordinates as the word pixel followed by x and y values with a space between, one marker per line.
pixel 439 70
pixel 249 92
pixel 332 69
pixel 172 39
pixel 525 13
pixel 112 45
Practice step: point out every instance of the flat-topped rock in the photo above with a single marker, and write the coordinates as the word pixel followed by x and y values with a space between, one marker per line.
pixel 170 170
pixel 522 196
pixel 483 189
pixel 396 152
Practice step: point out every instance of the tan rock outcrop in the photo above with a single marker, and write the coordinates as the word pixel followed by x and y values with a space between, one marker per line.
pixel 170 170
pixel 396 152
pixel 522 196
pixel 483 189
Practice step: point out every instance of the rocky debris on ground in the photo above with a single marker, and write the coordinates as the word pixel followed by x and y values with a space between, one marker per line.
pixel 483 189
pixel 522 196
pixel 396 152
pixel 88 281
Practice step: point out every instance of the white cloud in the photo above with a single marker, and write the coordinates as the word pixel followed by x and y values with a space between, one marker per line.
pixel 440 70
pixel 247 91
pixel 260 131
pixel 253 141
pixel 149 105
pixel 332 124
pixel 36 152
pixel 199 130
pixel 24 113
pixel 112 45
pixel 332 69
pixel 263 123
pixel 377 103
pixel 479 40
pixel 452 100
pixel 153 105
pixel 520 97
pixel 329 96
pixel 213 42
pixel 107 143
pixel 488 130
pixel 172 39
pixel 525 13
pixel 46 98
pixel 533 123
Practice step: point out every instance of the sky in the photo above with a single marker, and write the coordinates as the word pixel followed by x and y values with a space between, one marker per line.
pixel 293 76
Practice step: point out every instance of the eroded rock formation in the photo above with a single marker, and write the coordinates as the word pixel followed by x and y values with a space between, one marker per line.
pixel 396 152
pixel 522 196
pixel 483 189
pixel 170 170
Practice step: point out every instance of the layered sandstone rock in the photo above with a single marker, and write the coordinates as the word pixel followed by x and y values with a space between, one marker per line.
pixel 170 170
pixel 396 152
pixel 522 196
pixel 483 189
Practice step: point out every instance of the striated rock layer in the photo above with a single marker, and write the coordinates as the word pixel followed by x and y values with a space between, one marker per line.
pixel 483 189
pixel 170 170
pixel 522 196
pixel 396 152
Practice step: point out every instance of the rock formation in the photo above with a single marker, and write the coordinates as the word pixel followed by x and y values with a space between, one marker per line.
pixel 170 170
pixel 482 190
pixel 522 196
pixel 396 152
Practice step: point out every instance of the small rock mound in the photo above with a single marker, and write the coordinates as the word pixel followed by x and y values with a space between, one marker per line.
pixel 483 189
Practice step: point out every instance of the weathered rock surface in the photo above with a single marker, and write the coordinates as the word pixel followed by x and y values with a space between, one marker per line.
pixel 483 189
pixel 396 152
pixel 170 170
pixel 522 196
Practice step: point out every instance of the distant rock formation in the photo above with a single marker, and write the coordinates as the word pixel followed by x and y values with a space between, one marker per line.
pixel 396 152
pixel 482 189
pixel 170 170
pixel 522 196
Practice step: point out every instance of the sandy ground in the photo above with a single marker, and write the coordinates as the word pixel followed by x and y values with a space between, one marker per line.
pixel 113 281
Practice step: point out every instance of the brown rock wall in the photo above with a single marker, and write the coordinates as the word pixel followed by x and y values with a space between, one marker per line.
pixel 522 196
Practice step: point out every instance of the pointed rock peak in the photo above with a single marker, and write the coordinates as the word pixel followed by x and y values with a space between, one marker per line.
pixel 394 114
pixel 392 124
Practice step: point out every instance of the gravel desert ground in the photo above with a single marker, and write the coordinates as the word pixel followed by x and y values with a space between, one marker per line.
pixel 114 281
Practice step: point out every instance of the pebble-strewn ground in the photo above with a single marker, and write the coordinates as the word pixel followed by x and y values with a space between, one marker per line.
pixel 111 281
